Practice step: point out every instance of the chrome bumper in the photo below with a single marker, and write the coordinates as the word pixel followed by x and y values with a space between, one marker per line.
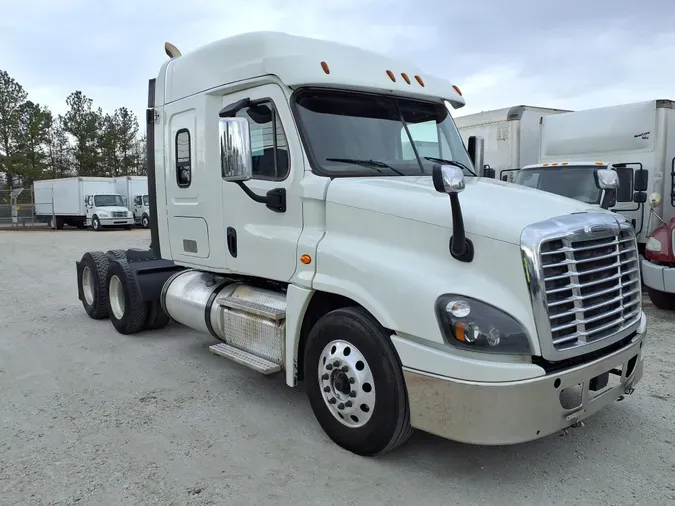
pixel 114 222
pixel 517 411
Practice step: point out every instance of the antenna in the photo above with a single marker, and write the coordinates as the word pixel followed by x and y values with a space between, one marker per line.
pixel 171 50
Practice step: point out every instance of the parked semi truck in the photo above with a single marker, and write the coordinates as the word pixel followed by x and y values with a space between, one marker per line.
pixel 135 190
pixel 80 202
pixel 406 292
pixel 636 140
pixel 511 136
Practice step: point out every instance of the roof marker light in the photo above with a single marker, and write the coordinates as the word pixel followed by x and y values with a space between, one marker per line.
pixel 599 163
pixel 325 68
pixel 405 77
pixel 419 80
pixel 391 75
pixel 456 88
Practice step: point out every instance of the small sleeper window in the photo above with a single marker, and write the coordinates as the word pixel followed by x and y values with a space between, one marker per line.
pixel 183 158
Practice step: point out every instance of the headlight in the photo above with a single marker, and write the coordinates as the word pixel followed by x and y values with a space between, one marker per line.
pixel 103 214
pixel 653 245
pixel 474 325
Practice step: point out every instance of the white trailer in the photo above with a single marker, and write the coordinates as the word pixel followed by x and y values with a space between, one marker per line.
pixel 511 136
pixel 80 202
pixel 134 189
pixel 636 140
pixel 324 250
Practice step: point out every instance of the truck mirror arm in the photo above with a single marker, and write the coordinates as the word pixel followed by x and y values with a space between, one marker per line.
pixel 274 200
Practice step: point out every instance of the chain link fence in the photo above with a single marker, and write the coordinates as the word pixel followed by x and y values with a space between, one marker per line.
pixel 19 209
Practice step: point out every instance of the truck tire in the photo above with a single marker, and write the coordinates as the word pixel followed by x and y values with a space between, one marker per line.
pixel 126 310
pixel 157 318
pixel 662 300
pixel 349 362
pixel 94 275
pixel 116 254
pixel 96 223
pixel 145 221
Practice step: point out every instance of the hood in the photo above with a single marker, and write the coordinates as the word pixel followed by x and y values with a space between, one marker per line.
pixel 113 209
pixel 663 236
pixel 491 208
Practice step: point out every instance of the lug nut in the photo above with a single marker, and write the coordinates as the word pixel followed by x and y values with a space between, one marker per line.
pixel 325 376
pixel 352 393
pixel 332 400
pixel 329 366
pixel 345 368
pixel 336 364
pixel 341 406
pixel 326 389
pixel 351 381
pixel 348 404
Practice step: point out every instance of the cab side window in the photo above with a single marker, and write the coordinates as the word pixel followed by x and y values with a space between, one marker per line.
pixel 183 158
pixel 269 147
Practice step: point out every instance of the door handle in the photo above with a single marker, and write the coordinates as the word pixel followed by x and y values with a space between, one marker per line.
pixel 232 241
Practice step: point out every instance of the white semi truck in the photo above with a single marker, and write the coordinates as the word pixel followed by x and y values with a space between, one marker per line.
pixel 636 140
pixel 134 189
pixel 511 136
pixel 292 226
pixel 80 202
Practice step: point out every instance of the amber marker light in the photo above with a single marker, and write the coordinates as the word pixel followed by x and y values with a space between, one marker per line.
pixel 325 68
pixel 306 259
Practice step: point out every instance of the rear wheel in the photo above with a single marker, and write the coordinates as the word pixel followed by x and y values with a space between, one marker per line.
pixel 116 254
pixel 93 284
pixel 126 309
pixel 662 300
pixel 355 383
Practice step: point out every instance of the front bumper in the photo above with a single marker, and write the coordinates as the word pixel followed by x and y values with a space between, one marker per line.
pixel 518 411
pixel 658 277
pixel 116 222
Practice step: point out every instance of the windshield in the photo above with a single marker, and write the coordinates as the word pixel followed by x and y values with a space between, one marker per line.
pixel 340 128
pixel 569 181
pixel 108 200
pixel 146 200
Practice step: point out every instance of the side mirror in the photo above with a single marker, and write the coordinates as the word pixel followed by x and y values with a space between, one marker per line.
pixel 640 197
pixel 608 181
pixel 236 162
pixel 476 151
pixel 448 179
pixel 640 180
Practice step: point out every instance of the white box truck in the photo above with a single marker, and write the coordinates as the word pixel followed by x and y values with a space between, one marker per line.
pixel 321 249
pixel 636 140
pixel 511 136
pixel 80 202
pixel 134 189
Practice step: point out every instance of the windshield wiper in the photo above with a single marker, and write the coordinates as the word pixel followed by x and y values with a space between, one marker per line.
pixel 450 162
pixel 366 163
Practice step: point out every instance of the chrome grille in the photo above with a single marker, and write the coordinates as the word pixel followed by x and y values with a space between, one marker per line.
pixel 592 285
pixel 119 214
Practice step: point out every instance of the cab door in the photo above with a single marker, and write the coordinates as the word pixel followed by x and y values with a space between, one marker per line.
pixel 263 242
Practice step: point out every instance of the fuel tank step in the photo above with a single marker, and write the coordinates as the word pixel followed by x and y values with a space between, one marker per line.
pixel 245 358
pixel 252 307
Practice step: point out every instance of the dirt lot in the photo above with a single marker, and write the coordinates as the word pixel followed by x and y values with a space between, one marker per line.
pixel 88 416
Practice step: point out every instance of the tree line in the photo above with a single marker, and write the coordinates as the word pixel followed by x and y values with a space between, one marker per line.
pixel 85 141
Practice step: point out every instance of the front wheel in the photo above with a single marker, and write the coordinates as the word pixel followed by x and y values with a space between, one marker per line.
pixel 355 383
pixel 96 223
pixel 145 221
pixel 662 300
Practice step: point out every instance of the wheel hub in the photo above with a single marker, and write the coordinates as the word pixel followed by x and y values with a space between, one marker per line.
pixel 346 383
pixel 88 285
pixel 116 296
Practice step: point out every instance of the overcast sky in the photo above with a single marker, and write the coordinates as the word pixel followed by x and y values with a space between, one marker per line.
pixel 568 54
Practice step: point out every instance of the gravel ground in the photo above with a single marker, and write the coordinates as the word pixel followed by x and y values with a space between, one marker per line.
pixel 88 416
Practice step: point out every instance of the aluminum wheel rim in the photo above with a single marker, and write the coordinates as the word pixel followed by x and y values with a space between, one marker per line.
pixel 346 383
pixel 88 285
pixel 116 296
pixel 145 222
